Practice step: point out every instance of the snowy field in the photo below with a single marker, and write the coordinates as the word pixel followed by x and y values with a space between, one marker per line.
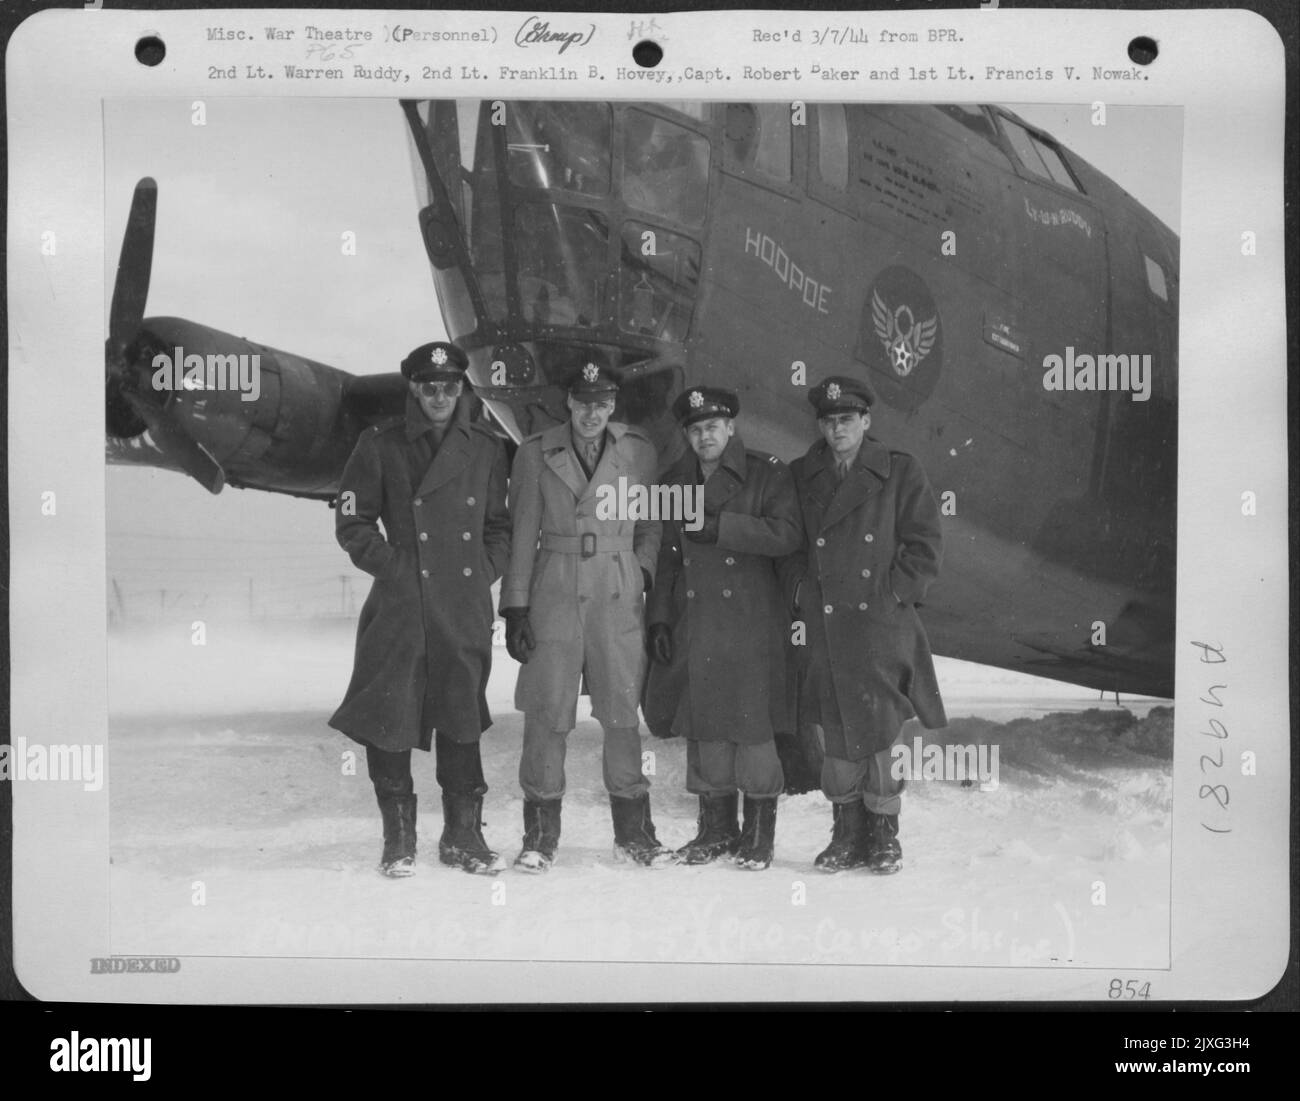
pixel 222 770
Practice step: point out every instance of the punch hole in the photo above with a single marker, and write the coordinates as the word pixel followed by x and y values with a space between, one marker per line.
pixel 1143 50
pixel 647 54
pixel 150 50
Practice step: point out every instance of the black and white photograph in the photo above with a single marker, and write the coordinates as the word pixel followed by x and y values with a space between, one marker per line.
pixel 544 508
pixel 915 665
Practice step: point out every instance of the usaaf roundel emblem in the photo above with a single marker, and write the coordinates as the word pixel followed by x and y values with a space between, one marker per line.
pixel 900 338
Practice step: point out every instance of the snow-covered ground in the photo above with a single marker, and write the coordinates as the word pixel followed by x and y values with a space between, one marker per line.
pixel 223 771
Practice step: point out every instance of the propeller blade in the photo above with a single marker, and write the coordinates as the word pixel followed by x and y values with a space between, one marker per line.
pixel 178 446
pixel 131 287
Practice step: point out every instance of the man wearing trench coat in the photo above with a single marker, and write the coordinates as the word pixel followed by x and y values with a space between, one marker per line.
pixel 717 628
pixel 573 604
pixel 436 481
pixel 873 548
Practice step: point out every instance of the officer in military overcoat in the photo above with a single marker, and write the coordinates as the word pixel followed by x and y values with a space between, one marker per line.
pixel 718 623
pixel 873 547
pixel 573 604
pixel 436 481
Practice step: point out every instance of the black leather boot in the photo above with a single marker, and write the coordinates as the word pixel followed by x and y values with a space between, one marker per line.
pixel 634 833
pixel 462 845
pixel 884 853
pixel 848 847
pixel 758 838
pixel 398 813
pixel 541 836
pixel 718 832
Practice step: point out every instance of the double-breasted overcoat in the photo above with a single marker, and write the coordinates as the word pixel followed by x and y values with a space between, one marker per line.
pixel 424 638
pixel 872 548
pixel 576 563
pixel 723 602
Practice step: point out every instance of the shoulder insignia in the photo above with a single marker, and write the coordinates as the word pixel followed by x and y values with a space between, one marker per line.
pixel 762 457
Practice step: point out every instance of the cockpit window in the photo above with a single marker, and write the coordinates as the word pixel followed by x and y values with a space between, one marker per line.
pixel 1038 156
pixel 833 145
pixel 1156 279
pixel 665 168
pixel 658 275
pixel 559 145
pixel 759 135
pixel 562 263
pixel 973 118
pixel 695 108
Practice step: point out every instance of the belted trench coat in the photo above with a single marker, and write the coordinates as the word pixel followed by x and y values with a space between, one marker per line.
pixel 585 602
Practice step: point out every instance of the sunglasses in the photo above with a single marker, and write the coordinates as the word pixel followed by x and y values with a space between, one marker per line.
pixel 439 389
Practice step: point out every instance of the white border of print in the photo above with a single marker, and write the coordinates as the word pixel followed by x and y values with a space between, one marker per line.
pixel 1225 68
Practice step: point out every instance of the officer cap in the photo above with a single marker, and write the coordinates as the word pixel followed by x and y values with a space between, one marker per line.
pixel 438 361
pixel 700 403
pixel 590 378
pixel 841 394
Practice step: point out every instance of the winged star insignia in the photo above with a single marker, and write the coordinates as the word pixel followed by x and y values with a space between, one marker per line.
pixel 906 340
pixel 696 399
pixel 591 372
pixel 439 356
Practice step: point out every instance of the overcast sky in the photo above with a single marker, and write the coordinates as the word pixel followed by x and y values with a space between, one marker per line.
pixel 252 207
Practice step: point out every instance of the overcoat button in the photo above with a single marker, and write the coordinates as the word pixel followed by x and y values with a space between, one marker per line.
pixel 868 537
pixel 467 571
pixel 726 592
pixel 469 500
pixel 690 593
pixel 465 536
pixel 866 573
pixel 424 573
pixel 820 541
pixel 828 609
pixel 424 537
pixel 419 501
pixel 862 607
pixel 730 561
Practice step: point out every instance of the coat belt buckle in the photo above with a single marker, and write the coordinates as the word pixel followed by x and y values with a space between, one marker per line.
pixel 588 544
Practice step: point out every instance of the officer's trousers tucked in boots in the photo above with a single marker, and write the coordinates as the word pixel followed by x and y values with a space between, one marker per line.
pixel 391 775
pixel 541 835
pixel 634 833
pixel 718 771
pixel 718 833
pixel 866 799
pixel 848 847
pixel 758 837
pixel 460 775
